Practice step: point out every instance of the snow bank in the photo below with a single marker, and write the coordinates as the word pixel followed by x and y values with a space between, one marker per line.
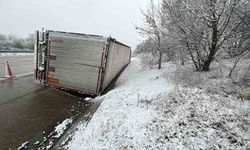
pixel 120 122
pixel 145 111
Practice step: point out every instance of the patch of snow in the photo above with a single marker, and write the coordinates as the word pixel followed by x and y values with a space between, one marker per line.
pixel 50 145
pixel 59 129
pixel 40 68
pixel 37 142
pixel 57 133
pixel 87 99
pixel 23 146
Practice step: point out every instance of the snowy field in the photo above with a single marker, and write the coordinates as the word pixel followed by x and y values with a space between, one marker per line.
pixel 149 110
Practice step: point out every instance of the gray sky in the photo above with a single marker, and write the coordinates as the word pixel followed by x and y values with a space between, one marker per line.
pixel 103 17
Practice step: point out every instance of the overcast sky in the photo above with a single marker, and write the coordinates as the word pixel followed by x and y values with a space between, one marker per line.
pixel 103 17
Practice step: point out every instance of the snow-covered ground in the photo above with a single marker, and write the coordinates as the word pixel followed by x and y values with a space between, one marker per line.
pixel 59 130
pixel 147 110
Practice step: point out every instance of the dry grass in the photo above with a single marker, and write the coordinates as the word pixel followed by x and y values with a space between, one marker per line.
pixel 216 81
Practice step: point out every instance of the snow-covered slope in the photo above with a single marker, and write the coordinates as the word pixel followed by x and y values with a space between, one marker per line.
pixel 120 122
pixel 146 111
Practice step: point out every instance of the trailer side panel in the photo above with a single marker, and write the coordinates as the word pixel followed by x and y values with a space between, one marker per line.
pixel 118 58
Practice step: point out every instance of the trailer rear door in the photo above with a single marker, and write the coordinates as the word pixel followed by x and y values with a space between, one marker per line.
pixel 75 61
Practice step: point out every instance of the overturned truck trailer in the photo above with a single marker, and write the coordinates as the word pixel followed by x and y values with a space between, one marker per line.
pixel 78 62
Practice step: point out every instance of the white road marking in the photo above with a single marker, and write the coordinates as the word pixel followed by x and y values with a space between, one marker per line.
pixel 26 74
pixel 18 76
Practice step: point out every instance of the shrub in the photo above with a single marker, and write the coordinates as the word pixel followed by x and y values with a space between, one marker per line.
pixel 3 37
pixel 18 43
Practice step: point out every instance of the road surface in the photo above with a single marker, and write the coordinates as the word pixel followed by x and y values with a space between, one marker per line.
pixel 19 64
pixel 27 109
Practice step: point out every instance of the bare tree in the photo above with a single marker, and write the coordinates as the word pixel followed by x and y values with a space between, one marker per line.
pixel 147 46
pixel 152 29
pixel 204 27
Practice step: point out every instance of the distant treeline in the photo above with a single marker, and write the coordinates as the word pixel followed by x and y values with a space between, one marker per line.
pixel 13 42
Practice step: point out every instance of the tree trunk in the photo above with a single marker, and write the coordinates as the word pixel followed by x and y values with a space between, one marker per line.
pixel 236 62
pixel 213 48
pixel 207 65
pixel 160 58
pixel 182 58
pixel 182 62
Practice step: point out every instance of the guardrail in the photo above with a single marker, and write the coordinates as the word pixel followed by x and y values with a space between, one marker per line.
pixel 16 51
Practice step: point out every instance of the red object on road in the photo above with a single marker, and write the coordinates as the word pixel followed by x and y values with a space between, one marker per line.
pixel 8 72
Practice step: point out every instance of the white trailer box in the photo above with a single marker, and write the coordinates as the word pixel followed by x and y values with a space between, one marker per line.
pixel 79 62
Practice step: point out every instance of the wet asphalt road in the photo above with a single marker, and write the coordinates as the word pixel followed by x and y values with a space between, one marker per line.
pixel 19 64
pixel 27 109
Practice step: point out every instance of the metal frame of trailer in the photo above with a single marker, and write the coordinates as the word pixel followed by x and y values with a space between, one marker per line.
pixel 107 63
